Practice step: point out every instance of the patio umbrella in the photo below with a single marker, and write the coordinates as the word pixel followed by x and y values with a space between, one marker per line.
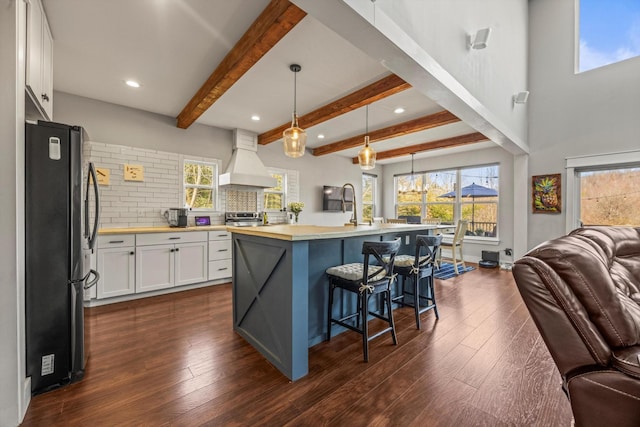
pixel 474 190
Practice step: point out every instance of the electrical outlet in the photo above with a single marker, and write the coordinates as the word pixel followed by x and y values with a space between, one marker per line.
pixel 407 239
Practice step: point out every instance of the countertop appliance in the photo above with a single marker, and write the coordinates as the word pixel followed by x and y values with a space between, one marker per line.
pixel 59 240
pixel 176 217
pixel 243 219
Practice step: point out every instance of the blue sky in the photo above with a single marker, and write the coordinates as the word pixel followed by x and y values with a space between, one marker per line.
pixel 609 32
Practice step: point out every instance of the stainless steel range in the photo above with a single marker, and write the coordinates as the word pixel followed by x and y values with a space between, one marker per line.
pixel 243 219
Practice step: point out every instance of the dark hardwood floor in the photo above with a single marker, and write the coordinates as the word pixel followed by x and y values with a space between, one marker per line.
pixel 175 360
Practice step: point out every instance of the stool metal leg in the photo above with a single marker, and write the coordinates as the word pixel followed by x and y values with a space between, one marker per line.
pixel 364 310
pixel 330 314
pixel 416 298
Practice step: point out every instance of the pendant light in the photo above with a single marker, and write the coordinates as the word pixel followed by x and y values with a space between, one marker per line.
pixel 367 156
pixel 294 138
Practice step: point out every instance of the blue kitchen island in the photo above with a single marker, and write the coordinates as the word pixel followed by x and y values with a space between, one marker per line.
pixel 280 289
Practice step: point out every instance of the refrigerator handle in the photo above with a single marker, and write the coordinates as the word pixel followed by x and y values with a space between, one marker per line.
pixel 96 218
pixel 96 276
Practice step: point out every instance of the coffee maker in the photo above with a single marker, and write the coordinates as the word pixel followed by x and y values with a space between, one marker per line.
pixel 176 217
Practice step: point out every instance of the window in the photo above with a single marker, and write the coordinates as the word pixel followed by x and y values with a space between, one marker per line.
pixel 200 184
pixel 603 190
pixel 609 32
pixel 369 184
pixel 275 198
pixel 448 195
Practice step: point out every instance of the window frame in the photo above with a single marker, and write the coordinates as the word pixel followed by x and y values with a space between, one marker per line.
pixel 284 192
pixel 457 202
pixel 374 195
pixel 575 165
pixel 214 187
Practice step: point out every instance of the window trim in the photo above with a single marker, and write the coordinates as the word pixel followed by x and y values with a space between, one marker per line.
pixel 284 192
pixel 374 196
pixel 457 202
pixel 574 165
pixel 215 164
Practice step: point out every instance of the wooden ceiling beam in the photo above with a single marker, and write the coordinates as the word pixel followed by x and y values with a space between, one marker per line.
pixel 275 21
pixel 455 141
pixel 384 87
pixel 416 125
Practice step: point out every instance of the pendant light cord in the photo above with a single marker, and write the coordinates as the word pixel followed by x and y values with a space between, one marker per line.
pixel 366 126
pixel 295 85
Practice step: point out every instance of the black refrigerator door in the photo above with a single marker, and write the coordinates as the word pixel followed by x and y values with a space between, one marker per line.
pixel 54 244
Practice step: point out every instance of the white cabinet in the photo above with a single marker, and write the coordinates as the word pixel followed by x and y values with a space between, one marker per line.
pixel 219 255
pixel 116 265
pixel 39 75
pixel 165 260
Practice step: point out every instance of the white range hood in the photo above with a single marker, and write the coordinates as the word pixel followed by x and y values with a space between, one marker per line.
pixel 245 167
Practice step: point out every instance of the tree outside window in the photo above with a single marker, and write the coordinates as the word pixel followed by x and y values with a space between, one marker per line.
pixel 275 197
pixel 445 195
pixel 200 183
pixel 369 184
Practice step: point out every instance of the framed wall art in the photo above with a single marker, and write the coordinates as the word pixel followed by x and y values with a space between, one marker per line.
pixel 546 193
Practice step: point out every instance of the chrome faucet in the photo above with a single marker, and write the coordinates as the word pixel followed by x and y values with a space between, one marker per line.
pixel 354 217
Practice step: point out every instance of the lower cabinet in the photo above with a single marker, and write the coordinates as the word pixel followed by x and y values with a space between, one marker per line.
pixel 116 265
pixel 138 263
pixel 165 260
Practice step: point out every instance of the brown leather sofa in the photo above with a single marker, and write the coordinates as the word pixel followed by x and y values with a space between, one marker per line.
pixel 583 292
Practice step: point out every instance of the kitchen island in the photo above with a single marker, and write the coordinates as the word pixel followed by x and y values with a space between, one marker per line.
pixel 280 290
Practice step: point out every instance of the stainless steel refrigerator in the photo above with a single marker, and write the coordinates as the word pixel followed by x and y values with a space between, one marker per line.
pixel 62 214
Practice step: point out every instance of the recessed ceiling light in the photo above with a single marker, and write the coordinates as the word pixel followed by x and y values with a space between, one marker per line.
pixel 399 110
pixel 320 136
pixel 255 118
pixel 132 83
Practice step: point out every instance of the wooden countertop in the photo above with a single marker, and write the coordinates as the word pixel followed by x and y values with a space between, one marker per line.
pixel 166 229
pixel 316 232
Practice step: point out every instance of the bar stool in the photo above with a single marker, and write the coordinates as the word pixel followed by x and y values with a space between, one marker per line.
pixel 365 279
pixel 415 268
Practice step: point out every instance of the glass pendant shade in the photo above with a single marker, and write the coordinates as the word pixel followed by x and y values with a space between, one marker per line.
pixel 294 139
pixel 367 156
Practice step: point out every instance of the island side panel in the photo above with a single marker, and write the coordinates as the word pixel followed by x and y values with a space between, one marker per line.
pixel 270 300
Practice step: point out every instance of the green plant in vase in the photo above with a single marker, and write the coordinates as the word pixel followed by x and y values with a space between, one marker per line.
pixel 296 208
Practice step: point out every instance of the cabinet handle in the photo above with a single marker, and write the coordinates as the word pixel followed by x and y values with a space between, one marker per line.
pixel 174 238
pixel 222 235
pixel 223 250
pixel 177 249
pixel 45 97
pixel 116 241
pixel 132 253
pixel 220 269
pixel 171 250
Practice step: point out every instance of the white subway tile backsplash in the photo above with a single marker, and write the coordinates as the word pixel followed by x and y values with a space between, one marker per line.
pixel 140 203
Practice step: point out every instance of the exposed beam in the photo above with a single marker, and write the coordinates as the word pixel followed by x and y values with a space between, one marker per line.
pixel 455 141
pixel 275 21
pixel 387 86
pixel 394 131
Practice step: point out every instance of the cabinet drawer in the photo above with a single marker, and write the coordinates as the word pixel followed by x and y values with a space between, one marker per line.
pixel 219 269
pixel 219 249
pixel 219 235
pixel 164 238
pixel 116 241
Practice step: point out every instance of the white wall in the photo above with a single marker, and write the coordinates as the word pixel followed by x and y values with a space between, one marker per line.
pixel 113 124
pixel 595 112
pixel 13 401
pixel 472 249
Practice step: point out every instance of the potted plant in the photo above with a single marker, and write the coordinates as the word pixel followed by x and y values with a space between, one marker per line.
pixel 296 208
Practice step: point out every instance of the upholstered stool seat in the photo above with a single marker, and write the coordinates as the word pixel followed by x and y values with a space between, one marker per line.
pixel 415 268
pixel 372 277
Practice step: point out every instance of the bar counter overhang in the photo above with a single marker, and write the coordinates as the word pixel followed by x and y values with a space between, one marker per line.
pixel 280 290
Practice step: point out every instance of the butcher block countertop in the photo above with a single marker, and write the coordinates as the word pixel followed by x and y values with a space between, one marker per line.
pixel 317 232
pixel 167 229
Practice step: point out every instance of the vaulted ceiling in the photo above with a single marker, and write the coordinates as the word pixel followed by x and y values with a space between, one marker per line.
pixel 220 62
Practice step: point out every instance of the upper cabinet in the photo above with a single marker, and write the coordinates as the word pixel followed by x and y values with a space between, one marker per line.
pixel 39 78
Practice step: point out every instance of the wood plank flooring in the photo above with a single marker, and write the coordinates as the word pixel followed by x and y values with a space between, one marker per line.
pixel 175 360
